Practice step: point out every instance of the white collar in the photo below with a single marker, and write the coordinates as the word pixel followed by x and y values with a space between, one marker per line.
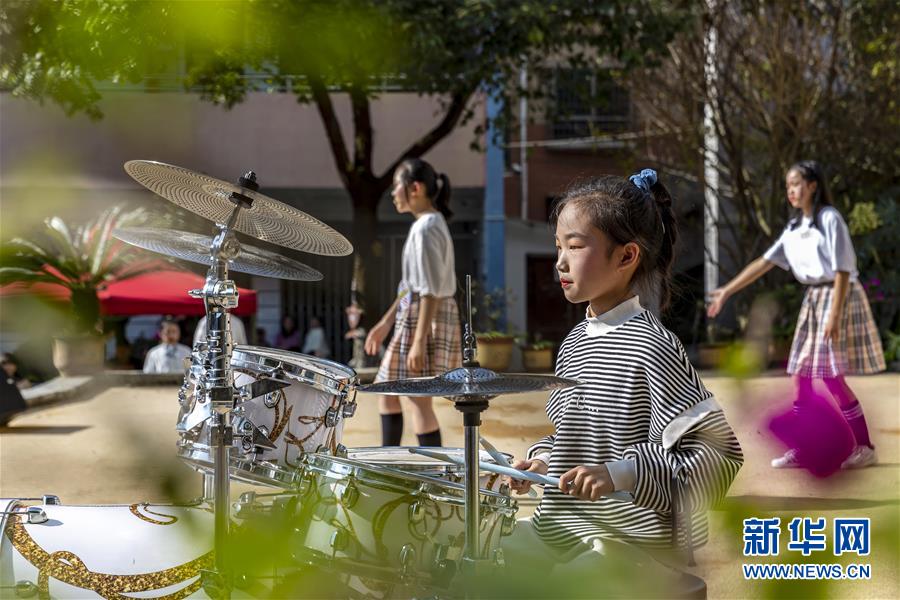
pixel 613 318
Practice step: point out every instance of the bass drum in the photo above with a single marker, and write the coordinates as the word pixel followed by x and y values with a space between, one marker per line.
pixel 145 550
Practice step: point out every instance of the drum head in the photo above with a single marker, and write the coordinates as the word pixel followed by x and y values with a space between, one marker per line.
pixel 325 375
pixel 401 458
pixel 391 478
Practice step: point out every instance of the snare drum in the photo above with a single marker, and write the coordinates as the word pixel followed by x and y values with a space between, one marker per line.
pixel 373 521
pixel 400 458
pixel 302 418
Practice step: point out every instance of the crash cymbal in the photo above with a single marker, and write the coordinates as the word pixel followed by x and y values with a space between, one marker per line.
pixel 469 382
pixel 197 248
pixel 265 218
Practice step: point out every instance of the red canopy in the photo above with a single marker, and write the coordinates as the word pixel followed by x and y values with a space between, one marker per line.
pixel 160 292
pixel 46 291
pixel 163 292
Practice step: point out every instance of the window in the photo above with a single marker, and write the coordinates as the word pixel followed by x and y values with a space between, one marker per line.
pixel 588 103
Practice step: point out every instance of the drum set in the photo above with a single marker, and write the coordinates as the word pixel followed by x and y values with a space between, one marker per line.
pixel 375 518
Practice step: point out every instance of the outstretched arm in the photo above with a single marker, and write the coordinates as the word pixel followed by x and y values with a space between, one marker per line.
pixel 751 273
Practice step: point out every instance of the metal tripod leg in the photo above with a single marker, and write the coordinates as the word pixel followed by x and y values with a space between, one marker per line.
pixel 217 582
pixel 473 516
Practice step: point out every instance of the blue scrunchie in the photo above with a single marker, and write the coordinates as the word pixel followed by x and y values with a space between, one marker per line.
pixel 644 180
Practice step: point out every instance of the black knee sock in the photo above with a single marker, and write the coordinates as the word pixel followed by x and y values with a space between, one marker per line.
pixel 853 413
pixel 391 429
pixel 432 438
pixel 851 409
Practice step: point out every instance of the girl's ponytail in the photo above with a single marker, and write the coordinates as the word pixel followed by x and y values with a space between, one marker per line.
pixel 442 197
pixel 666 254
pixel 437 186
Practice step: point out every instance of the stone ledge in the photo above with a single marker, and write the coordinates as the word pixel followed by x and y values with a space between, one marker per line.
pixel 60 389
pixel 139 378
pixel 70 389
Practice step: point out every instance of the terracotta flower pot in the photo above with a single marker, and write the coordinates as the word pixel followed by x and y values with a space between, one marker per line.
pixel 494 353
pixel 538 361
pixel 80 355
pixel 710 355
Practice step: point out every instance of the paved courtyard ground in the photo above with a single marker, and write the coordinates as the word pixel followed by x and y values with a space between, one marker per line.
pixel 119 447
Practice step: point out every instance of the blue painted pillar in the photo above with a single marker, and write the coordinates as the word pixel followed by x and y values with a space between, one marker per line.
pixel 493 239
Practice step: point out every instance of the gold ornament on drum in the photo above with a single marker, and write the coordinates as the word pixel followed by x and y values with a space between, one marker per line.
pixel 68 568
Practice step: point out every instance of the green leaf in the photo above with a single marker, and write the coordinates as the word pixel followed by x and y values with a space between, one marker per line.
pixel 63 247
pixel 16 275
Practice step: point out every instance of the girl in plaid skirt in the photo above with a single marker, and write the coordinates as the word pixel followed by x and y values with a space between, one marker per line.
pixel 836 334
pixel 426 340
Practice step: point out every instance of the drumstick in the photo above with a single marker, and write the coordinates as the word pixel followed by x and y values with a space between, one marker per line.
pixel 491 467
pixel 514 473
pixel 501 460
pixel 495 454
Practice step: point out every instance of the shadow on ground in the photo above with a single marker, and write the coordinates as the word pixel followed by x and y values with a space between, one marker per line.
pixel 794 503
pixel 43 429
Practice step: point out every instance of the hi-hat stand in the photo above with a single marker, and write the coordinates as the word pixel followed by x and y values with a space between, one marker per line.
pixel 471 408
pixel 216 385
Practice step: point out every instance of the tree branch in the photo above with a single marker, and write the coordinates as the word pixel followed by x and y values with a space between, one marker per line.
pixel 456 109
pixel 333 130
pixel 362 132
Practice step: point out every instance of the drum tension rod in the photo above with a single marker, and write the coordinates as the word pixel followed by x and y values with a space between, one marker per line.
pixel 34 515
pixel 47 499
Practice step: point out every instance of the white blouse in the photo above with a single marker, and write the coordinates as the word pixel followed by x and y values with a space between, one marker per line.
pixel 429 268
pixel 816 254
pixel 166 358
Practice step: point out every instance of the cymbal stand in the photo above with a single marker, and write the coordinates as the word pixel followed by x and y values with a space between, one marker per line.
pixel 471 407
pixel 220 296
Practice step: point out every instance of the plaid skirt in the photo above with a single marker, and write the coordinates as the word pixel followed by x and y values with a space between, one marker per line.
pixel 857 350
pixel 443 346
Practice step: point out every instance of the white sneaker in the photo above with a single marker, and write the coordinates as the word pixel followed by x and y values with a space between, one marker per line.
pixel 788 461
pixel 862 456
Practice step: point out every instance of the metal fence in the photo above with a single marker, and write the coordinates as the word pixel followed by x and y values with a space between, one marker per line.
pixel 328 298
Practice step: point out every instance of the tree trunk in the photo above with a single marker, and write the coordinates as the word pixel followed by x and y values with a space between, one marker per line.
pixel 365 224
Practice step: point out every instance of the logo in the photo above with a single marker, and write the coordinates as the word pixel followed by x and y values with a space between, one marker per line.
pixel 806 536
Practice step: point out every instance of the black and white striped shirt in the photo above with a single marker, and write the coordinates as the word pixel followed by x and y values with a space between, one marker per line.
pixel 640 401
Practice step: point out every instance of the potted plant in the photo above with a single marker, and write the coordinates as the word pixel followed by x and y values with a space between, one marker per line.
pixel 537 356
pixel 495 341
pixel 81 261
pixel 712 351
pixel 892 350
